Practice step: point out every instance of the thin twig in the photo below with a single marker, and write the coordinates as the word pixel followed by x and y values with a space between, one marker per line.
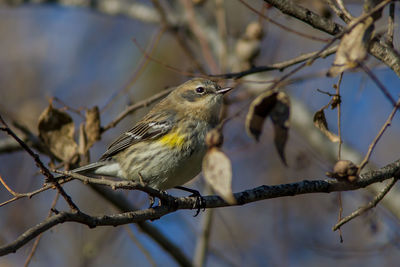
pixel 337 11
pixel 126 184
pixel 278 66
pixel 33 193
pixel 367 207
pixel 377 82
pixel 41 166
pixel 344 10
pixel 378 136
pixel 37 240
pixel 339 115
pixel 339 147
pixel 202 244
pixel 201 36
pixel 181 40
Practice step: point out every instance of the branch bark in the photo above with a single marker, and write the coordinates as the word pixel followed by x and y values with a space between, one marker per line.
pixel 242 198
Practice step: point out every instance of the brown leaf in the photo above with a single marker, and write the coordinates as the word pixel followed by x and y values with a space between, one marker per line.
pixel 280 119
pixel 259 109
pixel 92 126
pixel 56 130
pixel 353 47
pixel 217 171
pixel 321 123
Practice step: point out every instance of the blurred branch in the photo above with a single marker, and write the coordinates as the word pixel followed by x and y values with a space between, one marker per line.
pixel 196 27
pixel 378 136
pixel 202 244
pixel 120 202
pixel 177 203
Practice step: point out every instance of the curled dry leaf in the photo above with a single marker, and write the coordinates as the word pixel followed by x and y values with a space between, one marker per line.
pixel 56 130
pixel 353 47
pixel 277 106
pixel 217 171
pixel 92 126
pixel 259 109
pixel 321 123
pixel 280 119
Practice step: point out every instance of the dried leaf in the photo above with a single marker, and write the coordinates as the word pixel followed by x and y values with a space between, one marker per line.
pixel 217 172
pixel 259 109
pixel 353 47
pixel 92 126
pixel 56 130
pixel 280 119
pixel 321 123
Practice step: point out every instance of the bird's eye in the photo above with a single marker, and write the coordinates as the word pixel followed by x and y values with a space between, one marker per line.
pixel 200 90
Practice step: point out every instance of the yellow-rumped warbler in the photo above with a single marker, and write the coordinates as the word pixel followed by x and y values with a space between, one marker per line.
pixel 165 149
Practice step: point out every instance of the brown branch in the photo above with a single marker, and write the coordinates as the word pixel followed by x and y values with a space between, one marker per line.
pixel 256 194
pixel 120 202
pixel 286 28
pixel 40 165
pixel 378 83
pixel 367 207
pixel 174 30
pixel 292 9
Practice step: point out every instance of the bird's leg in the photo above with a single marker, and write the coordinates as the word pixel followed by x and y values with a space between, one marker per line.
pixel 200 202
pixel 151 198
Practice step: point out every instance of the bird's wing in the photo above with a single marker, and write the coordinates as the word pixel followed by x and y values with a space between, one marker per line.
pixel 151 126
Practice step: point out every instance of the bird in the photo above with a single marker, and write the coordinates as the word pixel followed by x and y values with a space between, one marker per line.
pixel 165 148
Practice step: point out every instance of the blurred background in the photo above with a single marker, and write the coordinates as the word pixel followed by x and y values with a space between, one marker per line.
pixel 81 54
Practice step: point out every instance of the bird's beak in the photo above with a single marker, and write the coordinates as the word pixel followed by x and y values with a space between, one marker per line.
pixel 224 90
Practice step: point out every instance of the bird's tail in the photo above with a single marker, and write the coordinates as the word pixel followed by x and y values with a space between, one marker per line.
pixel 87 169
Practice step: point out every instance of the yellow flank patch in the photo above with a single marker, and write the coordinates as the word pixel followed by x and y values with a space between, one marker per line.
pixel 173 140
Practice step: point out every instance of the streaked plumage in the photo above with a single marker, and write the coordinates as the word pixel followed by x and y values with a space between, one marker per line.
pixel 166 147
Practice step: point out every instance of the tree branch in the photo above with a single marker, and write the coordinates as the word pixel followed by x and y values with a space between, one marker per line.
pixel 244 197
